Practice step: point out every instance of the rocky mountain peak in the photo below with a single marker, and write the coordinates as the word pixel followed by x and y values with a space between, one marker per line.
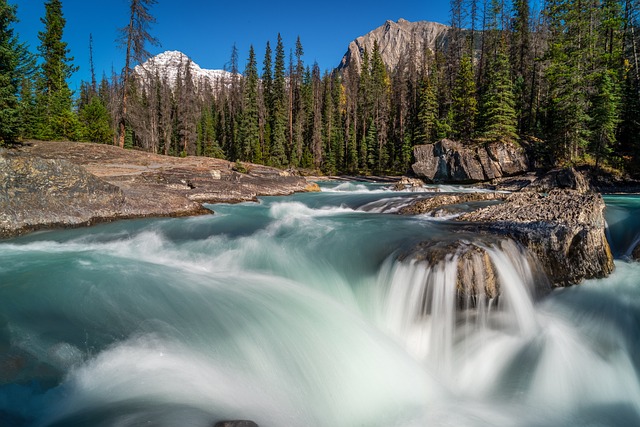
pixel 394 41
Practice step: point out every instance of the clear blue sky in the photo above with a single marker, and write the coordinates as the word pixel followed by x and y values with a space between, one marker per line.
pixel 207 30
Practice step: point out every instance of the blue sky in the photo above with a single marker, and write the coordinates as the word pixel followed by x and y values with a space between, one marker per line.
pixel 207 30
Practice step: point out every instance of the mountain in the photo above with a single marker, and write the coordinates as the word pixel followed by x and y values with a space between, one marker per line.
pixel 394 40
pixel 167 64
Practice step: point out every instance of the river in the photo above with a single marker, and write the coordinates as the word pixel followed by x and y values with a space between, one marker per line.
pixel 296 312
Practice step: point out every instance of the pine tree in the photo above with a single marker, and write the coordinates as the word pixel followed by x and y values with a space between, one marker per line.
pixel 498 101
pixel 279 118
pixel 96 122
pixel 267 94
pixel 249 125
pixel 15 62
pixel 464 102
pixel 54 98
pixel 427 116
pixel 605 117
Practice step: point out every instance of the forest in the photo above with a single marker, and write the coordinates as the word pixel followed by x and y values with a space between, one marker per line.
pixel 563 81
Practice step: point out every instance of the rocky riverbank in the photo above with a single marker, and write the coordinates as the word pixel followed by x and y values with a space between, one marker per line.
pixel 65 184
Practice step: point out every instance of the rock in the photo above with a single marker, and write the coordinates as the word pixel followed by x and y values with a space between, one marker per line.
pixel 564 178
pixel 427 205
pixel 477 280
pixel 63 184
pixel 37 193
pixel 238 423
pixel 564 229
pixel 408 183
pixel 635 253
pixel 452 162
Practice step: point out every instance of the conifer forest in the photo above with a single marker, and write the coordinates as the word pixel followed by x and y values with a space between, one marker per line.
pixel 563 81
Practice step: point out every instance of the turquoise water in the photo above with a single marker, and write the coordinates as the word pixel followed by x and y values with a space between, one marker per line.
pixel 296 312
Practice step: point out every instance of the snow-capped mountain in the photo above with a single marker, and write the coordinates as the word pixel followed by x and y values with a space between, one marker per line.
pixel 168 64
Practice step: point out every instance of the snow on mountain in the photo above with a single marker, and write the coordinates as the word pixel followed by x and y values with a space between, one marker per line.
pixel 168 64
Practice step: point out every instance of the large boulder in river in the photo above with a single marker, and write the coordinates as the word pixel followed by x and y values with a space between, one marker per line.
pixel 478 281
pixel 564 229
pixel 451 161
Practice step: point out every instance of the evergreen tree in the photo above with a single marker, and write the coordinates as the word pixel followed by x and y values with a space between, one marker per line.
pixel 15 62
pixel 427 117
pixel 279 118
pixel 498 100
pixel 267 94
pixel 464 102
pixel 96 122
pixel 605 117
pixel 249 125
pixel 54 98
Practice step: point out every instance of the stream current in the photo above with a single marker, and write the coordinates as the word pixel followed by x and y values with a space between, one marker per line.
pixel 296 312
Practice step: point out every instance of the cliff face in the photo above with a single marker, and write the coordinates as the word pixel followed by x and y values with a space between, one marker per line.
pixel 395 41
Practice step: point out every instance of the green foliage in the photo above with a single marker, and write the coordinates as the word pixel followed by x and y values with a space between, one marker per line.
pixel 464 102
pixel 15 63
pixel 54 103
pixel 96 122
pixel 249 122
pixel 498 101
pixel 605 116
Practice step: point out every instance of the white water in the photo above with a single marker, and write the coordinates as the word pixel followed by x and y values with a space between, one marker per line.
pixel 295 312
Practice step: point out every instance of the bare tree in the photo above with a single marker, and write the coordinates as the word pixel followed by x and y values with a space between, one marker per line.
pixel 133 38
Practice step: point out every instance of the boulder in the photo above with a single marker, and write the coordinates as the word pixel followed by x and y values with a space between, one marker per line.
pixel 453 162
pixel 564 229
pixel 430 204
pixel 477 278
pixel 237 423
pixel 562 178
pixel 407 184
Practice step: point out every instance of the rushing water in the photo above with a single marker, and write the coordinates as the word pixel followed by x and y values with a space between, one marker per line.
pixel 296 312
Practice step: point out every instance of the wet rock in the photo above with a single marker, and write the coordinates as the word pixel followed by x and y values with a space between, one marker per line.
pixel 431 204
pixel 635 253
pixel 237 423
pixel 564 229
pixel 477 280
pixel 406 183
pixel 451 161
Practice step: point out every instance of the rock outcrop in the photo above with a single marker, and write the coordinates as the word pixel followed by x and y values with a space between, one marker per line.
pixel 394 39
pixel 65 184
pixel 564 229
pixel 37 192
pixel 433 204
pixel 452 162
pixel 558 218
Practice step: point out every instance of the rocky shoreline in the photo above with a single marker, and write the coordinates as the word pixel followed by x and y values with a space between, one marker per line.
pixel 558 218
pixel 47 185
